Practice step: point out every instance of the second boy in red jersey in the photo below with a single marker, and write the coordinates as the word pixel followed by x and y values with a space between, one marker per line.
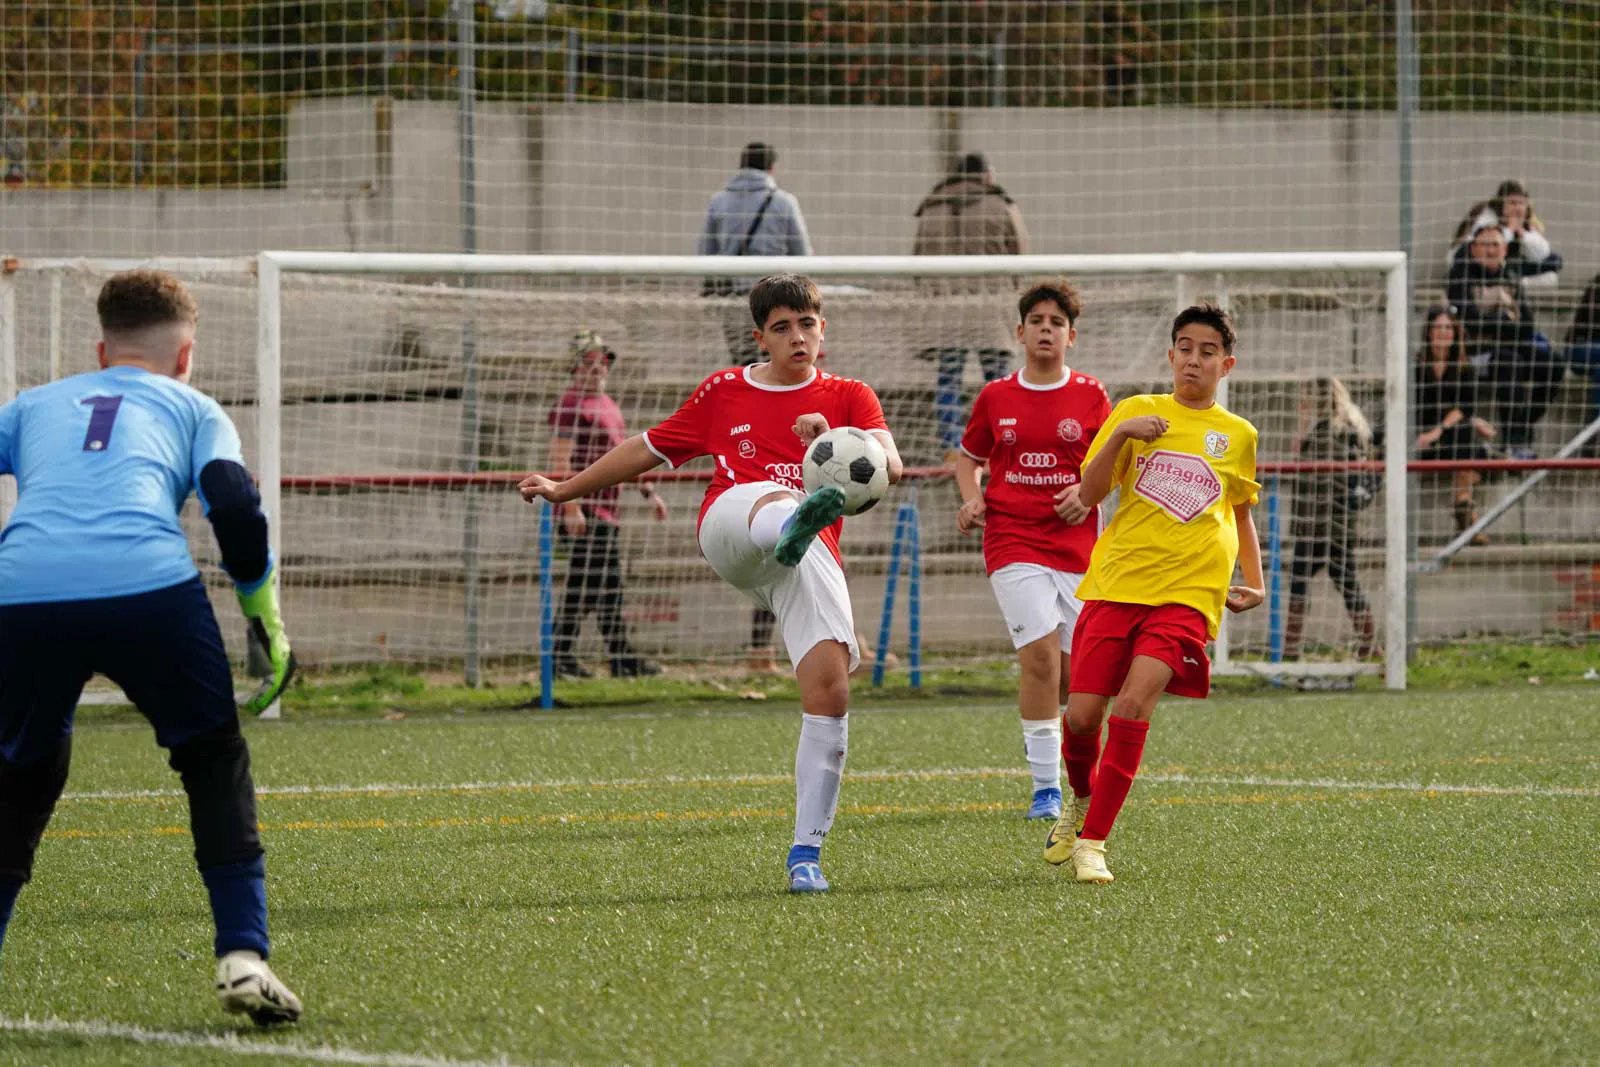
pixel 761 533
pixel 1033 429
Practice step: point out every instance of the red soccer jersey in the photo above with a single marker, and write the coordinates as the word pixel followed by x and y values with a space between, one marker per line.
pixel 748 429
pixel 1034 439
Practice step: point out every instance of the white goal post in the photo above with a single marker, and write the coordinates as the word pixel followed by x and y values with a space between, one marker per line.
pixel 1183 265
pixel 391 469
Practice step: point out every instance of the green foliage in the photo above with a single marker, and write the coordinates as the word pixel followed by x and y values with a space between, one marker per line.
pixel 1311 879
pixel 184 93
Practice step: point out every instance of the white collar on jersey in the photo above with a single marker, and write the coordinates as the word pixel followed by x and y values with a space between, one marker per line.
pixel 1066 376
pixel 778 388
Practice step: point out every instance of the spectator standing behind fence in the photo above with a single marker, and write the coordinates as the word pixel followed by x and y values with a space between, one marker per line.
pixel 1583 353
pixel 1488 297
pixel 586 424
pixel 1443 395
pixel 966 214
pixel 1322 525
pixel 750 216
pixel 1527 247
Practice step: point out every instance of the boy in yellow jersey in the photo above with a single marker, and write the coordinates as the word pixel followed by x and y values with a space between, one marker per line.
pixel 1159 576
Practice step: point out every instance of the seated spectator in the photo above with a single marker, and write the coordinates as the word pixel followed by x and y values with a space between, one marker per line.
pixel 1583 353
pixel 966 214
pixel 1332 430
pixel 585 425
pixel 1527 248
pixel 1443 398
pixel 1488 298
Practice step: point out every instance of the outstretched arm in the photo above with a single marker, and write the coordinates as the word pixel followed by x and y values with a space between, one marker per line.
pixel 628 460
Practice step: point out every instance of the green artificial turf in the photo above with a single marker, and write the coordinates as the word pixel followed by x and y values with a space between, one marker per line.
pixel 1300 879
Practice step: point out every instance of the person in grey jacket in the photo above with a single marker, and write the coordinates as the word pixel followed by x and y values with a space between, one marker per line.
pixel 751 216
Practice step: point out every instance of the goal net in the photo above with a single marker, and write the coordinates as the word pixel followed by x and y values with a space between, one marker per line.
pixel 393 401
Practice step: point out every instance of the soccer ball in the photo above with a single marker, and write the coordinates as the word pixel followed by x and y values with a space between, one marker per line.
pixel 854 461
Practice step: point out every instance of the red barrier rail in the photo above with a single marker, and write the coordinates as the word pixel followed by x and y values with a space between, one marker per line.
pixel 463 480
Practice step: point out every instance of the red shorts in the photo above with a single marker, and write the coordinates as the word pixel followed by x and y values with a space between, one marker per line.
pixel 1110 634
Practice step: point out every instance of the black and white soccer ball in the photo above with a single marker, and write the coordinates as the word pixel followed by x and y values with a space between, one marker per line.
pixel 854 461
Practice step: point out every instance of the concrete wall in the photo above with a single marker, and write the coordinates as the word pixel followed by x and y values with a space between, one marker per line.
pixel 634 178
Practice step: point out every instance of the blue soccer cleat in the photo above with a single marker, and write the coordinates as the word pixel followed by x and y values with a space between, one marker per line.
pixel 805 872
pixel 816 513
pixel 807 878
pixel 1046 804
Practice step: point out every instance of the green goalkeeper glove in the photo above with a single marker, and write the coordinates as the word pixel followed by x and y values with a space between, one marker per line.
pixel 260 609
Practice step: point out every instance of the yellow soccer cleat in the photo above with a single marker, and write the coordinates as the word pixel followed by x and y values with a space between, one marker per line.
pixel 1079 812
pixel 1089 861
pixel 1058 845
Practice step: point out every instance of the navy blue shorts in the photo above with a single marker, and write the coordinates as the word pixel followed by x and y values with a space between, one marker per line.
pixel 162 647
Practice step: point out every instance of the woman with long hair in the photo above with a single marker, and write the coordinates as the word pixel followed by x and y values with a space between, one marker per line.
pixel 1332 430
pixel 1443 395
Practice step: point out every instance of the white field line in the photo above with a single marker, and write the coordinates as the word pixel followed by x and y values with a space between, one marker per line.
pixel 232 1045
pixel 575 784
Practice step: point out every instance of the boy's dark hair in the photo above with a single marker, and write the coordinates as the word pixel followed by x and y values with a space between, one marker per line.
pixel 758 156
pixel 136 299
pixel 793 291
pixel 973 164
pixel 1207 314
pixel 1058 289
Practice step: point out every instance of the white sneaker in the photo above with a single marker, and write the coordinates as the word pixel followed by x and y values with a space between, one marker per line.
pixel 246 984
pixel 1089 860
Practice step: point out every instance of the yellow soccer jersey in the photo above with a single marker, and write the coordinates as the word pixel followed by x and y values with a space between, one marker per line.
pixel 1173 539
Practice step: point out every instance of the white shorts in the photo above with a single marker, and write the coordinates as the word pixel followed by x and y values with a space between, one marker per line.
pixel 1035 600
pixel 811 601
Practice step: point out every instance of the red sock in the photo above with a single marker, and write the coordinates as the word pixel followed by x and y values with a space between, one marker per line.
pixel 1081 752
pixel 1124 749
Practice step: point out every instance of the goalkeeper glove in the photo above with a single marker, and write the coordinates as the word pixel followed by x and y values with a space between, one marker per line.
pixel 260 607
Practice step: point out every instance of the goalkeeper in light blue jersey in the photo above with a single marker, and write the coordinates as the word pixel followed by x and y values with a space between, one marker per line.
pixel 96 577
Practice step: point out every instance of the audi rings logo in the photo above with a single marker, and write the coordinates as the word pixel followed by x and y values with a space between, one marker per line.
pixel 785 472
pixel 1037 460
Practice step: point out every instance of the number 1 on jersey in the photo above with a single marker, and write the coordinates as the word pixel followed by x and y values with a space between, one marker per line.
pixel 104 416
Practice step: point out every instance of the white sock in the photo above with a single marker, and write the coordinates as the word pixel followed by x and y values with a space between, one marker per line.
pixel 818 766
pixel 1041 741
pixel 767 526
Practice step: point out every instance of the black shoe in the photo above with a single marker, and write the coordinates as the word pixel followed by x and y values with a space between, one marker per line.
pixel 567 667
pixel 633 667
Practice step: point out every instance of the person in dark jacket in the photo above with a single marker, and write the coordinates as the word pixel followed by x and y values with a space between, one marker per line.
pixel 1583 353
pixel 1333 430
pixel 966 214
pixel 1443 401
pixel 1489 300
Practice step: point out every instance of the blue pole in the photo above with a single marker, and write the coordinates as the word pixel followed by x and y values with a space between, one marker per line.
pixel 547 665
pixel 880 658
pixel 914 593
pixel 1275 570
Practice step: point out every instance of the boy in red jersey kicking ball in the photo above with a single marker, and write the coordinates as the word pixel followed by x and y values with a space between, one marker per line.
pixel 761 533
pixel 1159 576
pixel 1033 428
